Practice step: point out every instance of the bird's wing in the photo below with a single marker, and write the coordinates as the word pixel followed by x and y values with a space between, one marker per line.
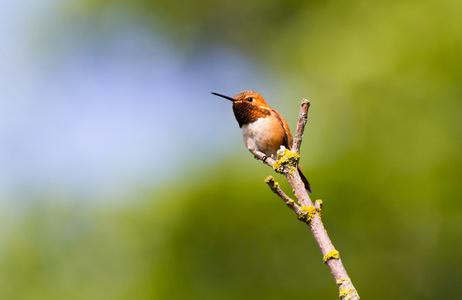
pixel 285 126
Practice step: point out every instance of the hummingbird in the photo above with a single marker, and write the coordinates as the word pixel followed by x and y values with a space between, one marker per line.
pixel 263 127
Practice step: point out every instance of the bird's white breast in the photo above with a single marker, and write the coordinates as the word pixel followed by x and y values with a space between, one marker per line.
pixel 258 135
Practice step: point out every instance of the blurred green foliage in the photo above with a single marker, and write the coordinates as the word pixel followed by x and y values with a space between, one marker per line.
pixel 382 150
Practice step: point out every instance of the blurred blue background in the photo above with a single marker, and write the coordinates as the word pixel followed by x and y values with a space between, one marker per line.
pixel 122 177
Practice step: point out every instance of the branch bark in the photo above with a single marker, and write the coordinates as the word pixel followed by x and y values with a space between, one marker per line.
pixel 306 211
pixel 302 120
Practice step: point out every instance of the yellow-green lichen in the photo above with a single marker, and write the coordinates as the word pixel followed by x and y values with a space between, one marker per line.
pixel 291 170
pixel 286 158
pixel 269 179
pixel 331 254
pixel 343 279
pixel 345 292
pixel 306 213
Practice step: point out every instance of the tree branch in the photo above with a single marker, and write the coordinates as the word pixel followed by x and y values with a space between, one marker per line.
pixel 302 119
pixel 306 211
pixel 274 186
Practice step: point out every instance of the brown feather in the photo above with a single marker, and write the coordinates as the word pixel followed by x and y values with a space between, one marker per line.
pixel 246 113
pixel 288 135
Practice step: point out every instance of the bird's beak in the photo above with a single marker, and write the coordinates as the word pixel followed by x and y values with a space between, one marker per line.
pixel 223 96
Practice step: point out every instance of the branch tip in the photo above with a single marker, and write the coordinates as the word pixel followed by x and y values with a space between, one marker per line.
pixel 275 188
pixel 269 179
pixel 302 119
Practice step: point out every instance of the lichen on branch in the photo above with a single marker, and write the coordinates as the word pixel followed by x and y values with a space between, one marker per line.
pixel 287 161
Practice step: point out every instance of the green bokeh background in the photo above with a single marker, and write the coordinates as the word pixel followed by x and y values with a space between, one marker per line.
pixel 382 149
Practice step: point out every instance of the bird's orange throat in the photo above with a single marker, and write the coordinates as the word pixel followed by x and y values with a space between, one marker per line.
pixel 246 112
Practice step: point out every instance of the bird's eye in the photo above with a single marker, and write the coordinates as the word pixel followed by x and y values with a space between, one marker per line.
pixel 250 99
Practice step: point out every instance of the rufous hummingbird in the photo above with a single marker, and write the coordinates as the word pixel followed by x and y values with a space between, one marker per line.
pixel 263 128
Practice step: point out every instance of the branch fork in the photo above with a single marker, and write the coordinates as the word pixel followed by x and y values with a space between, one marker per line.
pixel 304 208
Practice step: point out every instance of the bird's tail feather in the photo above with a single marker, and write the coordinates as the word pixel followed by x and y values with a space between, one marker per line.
pixel 305 181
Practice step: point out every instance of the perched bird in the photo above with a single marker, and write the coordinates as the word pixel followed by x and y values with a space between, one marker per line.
pixel 263 128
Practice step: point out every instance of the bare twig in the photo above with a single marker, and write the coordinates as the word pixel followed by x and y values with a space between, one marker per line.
pixel 302 119
pixel 274 186
pixel 307 211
